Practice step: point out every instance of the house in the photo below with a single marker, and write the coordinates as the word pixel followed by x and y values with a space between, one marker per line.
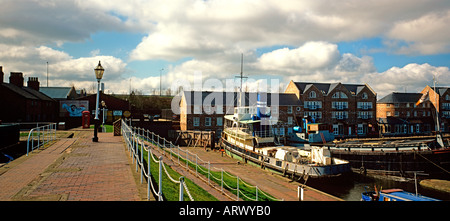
pixel 398 115
pixel 115 107
pixel 25 104
pixel 440 99
pixel 204 110
pixel 60 93
pixel 347 109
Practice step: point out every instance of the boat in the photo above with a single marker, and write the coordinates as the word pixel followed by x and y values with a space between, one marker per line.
pixel 248 135
pixel 393 195
pixel 400 157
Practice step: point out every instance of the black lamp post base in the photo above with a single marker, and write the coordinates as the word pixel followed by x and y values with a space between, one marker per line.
pixel 95 138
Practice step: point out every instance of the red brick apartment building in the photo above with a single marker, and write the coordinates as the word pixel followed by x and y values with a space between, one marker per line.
pixel 205 110
pixel 440 100
pixel 398 115
pixel 348 110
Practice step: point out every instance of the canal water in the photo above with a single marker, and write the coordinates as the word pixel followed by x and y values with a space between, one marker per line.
pixel 350 187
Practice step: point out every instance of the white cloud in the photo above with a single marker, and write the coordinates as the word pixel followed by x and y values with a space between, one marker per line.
pixel 428 34
pixel 412 78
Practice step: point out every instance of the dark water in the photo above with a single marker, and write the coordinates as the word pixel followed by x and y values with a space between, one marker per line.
pixel 350 187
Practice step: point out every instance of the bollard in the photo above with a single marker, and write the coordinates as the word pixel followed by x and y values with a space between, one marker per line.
pixel 300 193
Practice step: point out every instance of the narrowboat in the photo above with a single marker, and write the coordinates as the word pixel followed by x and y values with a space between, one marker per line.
pixel 393 195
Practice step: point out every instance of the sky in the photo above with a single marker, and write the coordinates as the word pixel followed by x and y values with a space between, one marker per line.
pixel 393 46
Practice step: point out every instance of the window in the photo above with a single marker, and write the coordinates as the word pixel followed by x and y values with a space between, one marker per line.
pixel 282 131
pixel 298 109
pixel 207 121
pixel 312 94
pixel 196 121
pixel 339 94
pixel 313 104
pixel 396 113
pixel 219 121
pixel 339 105
pixel 289 109
pixel 290 121
pixel 364 96
pixel 219 109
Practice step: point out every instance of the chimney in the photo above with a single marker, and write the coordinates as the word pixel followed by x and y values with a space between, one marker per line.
pixel 16 78
pixel 33 83
pixel 1 74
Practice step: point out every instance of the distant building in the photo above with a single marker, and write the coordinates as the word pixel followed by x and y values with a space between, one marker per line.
pixel 347 109
pixel 25 104
pixel 115 108
pixel 398 115
pixel 60 93
pixel 205 110
pixel 441 100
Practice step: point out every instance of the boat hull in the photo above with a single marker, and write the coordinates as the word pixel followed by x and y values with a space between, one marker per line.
pixel 404 163
pixel 300 171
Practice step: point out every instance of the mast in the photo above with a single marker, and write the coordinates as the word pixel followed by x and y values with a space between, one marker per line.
pixel 241 77
pixel 438 132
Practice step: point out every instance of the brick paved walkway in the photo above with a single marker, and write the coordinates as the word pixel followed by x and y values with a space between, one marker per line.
pixel 84 171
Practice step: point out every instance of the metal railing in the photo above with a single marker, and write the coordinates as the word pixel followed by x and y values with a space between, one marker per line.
pixel 137 146
pixel 42 135
pixel 144 138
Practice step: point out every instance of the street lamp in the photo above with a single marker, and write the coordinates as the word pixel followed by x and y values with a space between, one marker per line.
pixel 98 74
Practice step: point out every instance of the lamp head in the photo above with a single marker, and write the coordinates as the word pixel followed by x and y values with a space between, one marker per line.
pixel 99 71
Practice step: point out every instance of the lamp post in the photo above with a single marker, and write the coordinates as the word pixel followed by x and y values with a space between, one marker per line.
pixel 98 74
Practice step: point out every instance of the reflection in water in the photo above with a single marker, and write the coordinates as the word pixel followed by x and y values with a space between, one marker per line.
pixel 350 187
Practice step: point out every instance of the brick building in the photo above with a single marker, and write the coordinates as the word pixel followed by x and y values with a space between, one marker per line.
pixel 25 104
pixel 441 100
pixel 204 110
pixel 398 115
pixel 347 109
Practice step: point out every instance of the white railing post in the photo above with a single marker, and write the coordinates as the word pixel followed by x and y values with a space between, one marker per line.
pixel 160 179
pixel 237 188
pixel 142 161
pixel 181 188
pixel 209 168
pixel 221 181
pixel 149 173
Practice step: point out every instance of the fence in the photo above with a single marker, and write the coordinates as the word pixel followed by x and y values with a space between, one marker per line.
pixel 138 136
pixel 137 147
pixel 47 133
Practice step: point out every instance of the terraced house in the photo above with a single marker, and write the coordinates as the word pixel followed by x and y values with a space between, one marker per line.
pixel 349 110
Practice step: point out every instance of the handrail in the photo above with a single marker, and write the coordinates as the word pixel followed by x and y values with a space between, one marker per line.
pixel 145 139
pixel 48 134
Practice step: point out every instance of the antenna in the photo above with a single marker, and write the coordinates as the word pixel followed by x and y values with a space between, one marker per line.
pixel 47 73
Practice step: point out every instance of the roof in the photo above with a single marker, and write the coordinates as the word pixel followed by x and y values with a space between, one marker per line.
pixel 27 92
pixel 326 88
pixel 56 92
pixel 231 98
pixel 397 97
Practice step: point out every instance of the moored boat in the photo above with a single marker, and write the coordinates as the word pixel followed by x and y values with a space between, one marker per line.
pixel 393 195
pixel 248 135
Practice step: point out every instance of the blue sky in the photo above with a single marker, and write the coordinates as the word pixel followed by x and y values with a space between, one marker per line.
pixel 388 45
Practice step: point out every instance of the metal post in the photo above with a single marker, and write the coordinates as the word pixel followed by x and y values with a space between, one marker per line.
pixel 196 164
pixel 221 181
pixel 160 180
pixel 237 188
pixel 181 188
pixel 209 168
pixel 256 193
pixel 149 173
pixel 142 161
